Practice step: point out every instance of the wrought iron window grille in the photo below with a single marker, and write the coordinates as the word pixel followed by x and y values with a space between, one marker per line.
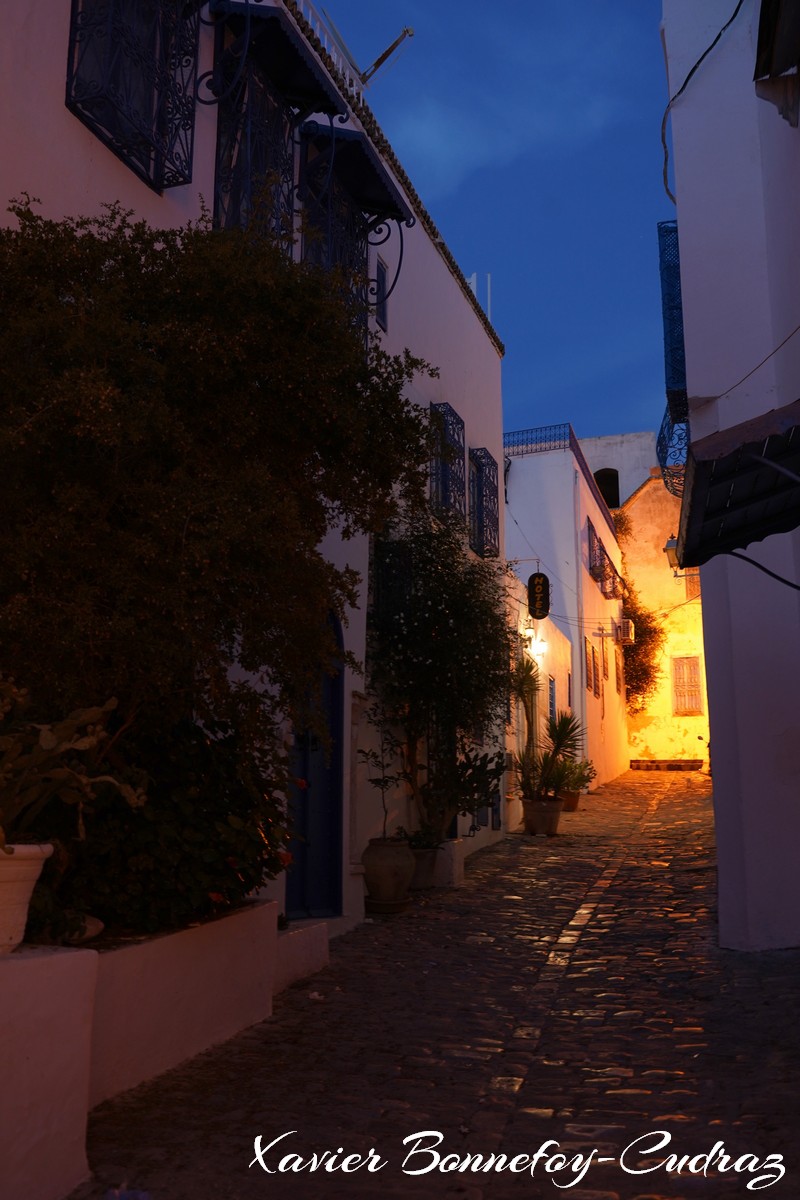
pixel 255 178
pixel 672 447
pixel 602 569
pixel 484 516
pixel 448 484
pixel 672 316
pixel 131 77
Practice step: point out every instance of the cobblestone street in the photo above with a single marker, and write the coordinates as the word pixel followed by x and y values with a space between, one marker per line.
pixel 572 990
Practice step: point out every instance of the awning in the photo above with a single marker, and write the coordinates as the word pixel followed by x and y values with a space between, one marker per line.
pixel 284 56
pixel 778 38
pixel 359 170
pixel 739 487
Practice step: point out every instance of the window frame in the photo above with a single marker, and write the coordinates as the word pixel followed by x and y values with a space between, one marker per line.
pixel 123 55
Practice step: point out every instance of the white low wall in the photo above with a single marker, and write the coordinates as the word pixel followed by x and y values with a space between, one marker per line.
pixel 80 1026
pixel 46 1001
pixel 166 999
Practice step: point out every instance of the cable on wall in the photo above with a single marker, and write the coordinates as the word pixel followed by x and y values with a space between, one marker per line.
pixel 680 92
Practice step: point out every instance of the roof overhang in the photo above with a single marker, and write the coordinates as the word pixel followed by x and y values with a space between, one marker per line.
pixel 359 170
pixel 742 484
pixel 284 56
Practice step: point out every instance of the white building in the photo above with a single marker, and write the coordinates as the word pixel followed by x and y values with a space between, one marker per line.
pixel 558 523
pixel 276 97
pixel 620 463
pixel 736 164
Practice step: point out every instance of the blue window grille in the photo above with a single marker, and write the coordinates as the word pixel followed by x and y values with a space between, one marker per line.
pixel 672 447
pixel 448 483
pixel 601 568
pixel 551 696
pixel 336 230
pixel 484 517
pixel 131 78
pixel 255 148
pixel 672 314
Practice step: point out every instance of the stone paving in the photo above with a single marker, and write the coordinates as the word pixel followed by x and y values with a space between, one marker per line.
pixel 570 992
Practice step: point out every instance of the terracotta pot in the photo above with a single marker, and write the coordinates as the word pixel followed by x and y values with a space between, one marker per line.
pixel 388 871
pixel 541 816
pixel 424 867
pixel 571 800
pixel 18 874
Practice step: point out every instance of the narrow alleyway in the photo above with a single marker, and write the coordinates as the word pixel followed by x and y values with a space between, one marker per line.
pixel 571 991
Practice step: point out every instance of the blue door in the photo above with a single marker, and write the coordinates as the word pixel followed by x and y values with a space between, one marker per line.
pixel 314 879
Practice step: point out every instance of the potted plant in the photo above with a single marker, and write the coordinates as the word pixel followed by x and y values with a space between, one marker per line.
pixel 438 663
pixel 580 773
pixel 542 773
pixel 41 764
pixel 388 862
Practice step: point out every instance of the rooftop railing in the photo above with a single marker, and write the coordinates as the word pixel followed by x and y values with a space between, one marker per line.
pixel 556 437
pixel 334 47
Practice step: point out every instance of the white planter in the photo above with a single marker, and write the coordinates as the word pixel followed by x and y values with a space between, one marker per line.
pixel 18 874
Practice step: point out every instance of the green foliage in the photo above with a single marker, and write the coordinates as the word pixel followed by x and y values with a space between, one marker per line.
pixel 186 414
pixel 525 686
pixel 204 838
pixel 45 764
pixel 642 658
pixel 543 773
pixel 439 660
pixel 580 773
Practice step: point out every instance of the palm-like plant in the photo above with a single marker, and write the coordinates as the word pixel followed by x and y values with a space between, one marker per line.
pixel 541 773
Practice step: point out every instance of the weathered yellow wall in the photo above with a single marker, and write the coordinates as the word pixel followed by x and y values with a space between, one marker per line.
pixel 658 734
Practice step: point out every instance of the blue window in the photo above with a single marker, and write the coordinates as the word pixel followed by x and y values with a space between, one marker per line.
pixel 551 695
pixel 131 79
pixel 484 517
pixel 448 485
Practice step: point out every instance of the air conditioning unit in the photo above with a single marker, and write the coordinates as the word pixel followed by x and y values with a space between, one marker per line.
pixel 627 632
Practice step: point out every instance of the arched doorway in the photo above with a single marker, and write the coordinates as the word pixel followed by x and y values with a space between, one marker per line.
pixel 314 879
pixel 607 479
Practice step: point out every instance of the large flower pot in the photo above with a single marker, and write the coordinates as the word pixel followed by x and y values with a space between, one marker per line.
pixel 388 871
pixel 424 867
pixel 18 874
pixel 571 801
pixel 541 816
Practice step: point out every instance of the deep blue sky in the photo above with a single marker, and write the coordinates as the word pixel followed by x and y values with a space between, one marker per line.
pixel 531 130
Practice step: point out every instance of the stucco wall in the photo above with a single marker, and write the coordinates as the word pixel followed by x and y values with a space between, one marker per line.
pixel 737 173
pixel 658 733
pixel 549 503
pixel 631 455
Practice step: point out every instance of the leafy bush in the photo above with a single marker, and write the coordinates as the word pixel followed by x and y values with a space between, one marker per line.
pixel 204 839
pixel 642 657
pixel 440 663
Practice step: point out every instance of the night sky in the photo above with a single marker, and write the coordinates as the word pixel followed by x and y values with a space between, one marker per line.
pixel 531 131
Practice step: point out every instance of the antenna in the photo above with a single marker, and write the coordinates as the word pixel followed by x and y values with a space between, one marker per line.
pixel 365 76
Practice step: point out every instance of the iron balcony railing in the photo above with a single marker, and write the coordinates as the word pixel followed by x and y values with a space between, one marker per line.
pixel 672 447
pixel 672 315
pixel 556 437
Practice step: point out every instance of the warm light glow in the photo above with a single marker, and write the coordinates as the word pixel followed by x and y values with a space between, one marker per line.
pixel 671 551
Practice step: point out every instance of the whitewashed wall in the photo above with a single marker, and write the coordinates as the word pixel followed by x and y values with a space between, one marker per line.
pixel 737 174
pixel 549 502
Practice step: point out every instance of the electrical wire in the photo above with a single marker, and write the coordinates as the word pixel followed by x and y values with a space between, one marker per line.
pixel 538 558
pixel 766 358
pixel 680 92
pixel 766 570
